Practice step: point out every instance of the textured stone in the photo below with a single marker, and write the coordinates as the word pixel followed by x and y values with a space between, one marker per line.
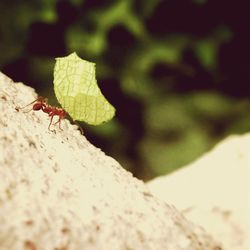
pixel 60 192
pixel 214 192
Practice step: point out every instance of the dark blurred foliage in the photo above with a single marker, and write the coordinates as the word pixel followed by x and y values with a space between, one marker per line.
pixel 177 71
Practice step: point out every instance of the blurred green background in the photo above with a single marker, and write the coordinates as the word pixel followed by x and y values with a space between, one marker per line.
pixel 178 72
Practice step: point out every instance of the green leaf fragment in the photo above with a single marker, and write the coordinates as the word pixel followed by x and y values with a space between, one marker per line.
pixel 77 91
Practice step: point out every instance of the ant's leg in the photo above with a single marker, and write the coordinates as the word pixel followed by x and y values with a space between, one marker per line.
pixel 27 105
pixel 78 125
pixel 50 122
pixel 27 111
pixel 18 108
pixel 39 99
pixel 59 121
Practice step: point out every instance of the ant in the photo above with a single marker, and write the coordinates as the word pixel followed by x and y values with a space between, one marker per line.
pixel 42 104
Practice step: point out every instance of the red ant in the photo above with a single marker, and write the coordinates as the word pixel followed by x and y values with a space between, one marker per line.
pixel 42 104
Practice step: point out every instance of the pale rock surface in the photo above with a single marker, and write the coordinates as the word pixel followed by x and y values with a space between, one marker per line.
pixel 214 192
pixel 59 192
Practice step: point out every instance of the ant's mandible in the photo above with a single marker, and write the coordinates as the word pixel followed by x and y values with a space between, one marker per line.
pixel 41 103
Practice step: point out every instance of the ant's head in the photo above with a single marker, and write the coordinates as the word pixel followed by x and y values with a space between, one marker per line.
pixel 38 106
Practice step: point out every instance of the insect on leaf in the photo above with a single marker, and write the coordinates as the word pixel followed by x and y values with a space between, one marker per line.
pixel 77 91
